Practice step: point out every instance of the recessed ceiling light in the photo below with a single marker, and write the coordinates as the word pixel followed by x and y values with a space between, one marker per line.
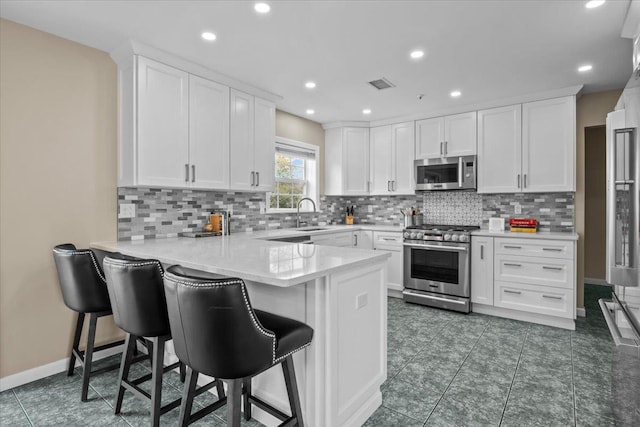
pixel 262 7
pixel 208 36
pixel 417 54
pixel 594 3
pixel 585 68
pixel 310 111
pixel 310 85
pixel 455 93
pixel 366 111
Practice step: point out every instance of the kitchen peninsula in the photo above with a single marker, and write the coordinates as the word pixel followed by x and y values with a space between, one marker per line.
pixel 340 292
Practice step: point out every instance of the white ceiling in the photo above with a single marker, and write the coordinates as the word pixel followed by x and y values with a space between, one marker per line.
pixel 487 49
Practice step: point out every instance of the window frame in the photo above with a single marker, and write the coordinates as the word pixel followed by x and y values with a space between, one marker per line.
pixel 315 195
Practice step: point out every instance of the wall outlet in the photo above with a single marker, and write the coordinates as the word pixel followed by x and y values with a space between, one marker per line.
pixel 370 209
pixel 127 210
pixel 263 207
pixel 518 208
pixel 230 209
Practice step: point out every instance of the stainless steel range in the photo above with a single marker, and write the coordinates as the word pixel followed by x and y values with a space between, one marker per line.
pixel 437 266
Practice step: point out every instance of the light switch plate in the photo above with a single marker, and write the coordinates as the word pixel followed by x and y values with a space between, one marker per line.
pixel 362 300
pixel 127 210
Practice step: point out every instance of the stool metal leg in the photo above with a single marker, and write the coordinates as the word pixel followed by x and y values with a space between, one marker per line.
pixel 156 379
pixel 76 344
pixel 125 366
pixel 234 402
pixel 88 356
pixel 183 373
pixel 245 398
pixel 292 390
pixel 187 396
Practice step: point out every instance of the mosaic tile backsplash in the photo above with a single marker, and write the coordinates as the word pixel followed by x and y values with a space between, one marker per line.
pixel 167 212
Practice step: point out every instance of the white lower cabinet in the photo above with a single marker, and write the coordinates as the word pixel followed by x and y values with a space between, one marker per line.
pixel 391 242
pixel 363 239
pixel 341 239
pixel 530 279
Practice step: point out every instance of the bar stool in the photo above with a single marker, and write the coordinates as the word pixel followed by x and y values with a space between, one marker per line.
pixel 139 308
pixel 216 332
pixel 84 291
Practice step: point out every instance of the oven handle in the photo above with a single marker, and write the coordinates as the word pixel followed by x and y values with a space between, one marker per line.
pixel 444 248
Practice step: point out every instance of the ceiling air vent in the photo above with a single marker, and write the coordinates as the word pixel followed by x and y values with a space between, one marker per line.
pixel 381 84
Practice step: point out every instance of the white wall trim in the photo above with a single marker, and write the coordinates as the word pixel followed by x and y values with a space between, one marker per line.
pixel 39 372
pixel 581 312
pixel 592 281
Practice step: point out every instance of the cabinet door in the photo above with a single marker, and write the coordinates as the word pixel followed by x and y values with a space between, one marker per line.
pixel 429 138
pixel 242 173
pixel 482 270
pixel 163 125
pixel 402 148
pixel 460 134
pixel 391 242
pixel 208 133
pixel 381 159
pixel 363 239
pixel 548 145
pixel 499 150
pixel 355 156
pixel 264 146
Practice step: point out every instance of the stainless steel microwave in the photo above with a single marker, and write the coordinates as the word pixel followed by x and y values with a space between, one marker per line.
pixel 448 173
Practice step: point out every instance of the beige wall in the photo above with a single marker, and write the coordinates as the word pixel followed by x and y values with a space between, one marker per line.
pixel 595 186
pixel 303 130
pixel 591 110
pixel 57 183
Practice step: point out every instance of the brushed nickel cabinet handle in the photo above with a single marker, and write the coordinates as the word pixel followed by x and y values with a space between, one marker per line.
pixel 355 238
pixel 510 264
pixel 512 247
pixel 193 173
pixel 552 249
pixel 388 185
pixel 186 172
pixel 550 296
pixel 441 149
pixel 481 251
pixel 507 291
pixel 253 178
pixel 446 143
pixel 257 179
pixel 518 180
pixel 525 180
pixel 546 267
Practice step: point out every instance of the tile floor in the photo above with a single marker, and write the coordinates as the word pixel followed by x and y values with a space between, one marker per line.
pixel 444 369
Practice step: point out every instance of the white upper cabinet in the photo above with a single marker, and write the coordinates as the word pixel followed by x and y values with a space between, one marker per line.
pixel 347 161
pixel 402 148
pixel 252 139
pixel 208 133
pixel 548 145
pixel 446 136
pixel 163 125
pixel 381 163
pixel 460 135
pixel 500 149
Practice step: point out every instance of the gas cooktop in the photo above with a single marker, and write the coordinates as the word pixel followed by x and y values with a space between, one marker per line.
pixel 441 227
pixel 439 232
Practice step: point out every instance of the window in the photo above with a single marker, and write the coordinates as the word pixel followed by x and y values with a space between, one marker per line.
pixel 296 176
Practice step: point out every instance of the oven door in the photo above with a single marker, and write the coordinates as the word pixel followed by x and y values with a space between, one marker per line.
pixel 437 267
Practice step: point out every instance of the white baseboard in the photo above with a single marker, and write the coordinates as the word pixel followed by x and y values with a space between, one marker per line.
pixel 39 372
pixel 592 281
pixel 540 319
pixel 581 312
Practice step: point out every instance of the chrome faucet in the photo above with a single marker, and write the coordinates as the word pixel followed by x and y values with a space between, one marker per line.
pixel 298 212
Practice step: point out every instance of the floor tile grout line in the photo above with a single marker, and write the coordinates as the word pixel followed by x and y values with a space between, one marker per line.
pixel 526 337
pixel 109 405
pixel 24 411
pixel 455 375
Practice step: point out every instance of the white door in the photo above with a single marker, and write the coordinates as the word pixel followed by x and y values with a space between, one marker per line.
pixel 460 135
pixel 242 173
pixel 499 150
pixel 402 143
pixel 429 138
pixel 548 145
pixel 163 125
pixel 380 165
pixel 208 133
pixel 355 155
pixel 482 270
pixel 264 147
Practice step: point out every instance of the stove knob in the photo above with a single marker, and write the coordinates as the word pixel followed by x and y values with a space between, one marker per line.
pixel 447 237
pixel 413 235
pixel 464 238
pixel 420 235
pixel 407 235
pixel 455 237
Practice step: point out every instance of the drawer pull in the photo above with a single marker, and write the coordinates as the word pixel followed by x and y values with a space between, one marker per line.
pixel 546 267
pixel 550 296
pixel 507 291
pixel 552 249
pixel 512 247
pixel 512 264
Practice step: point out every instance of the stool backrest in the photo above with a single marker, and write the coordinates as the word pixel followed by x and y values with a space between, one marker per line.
pixel 81 279
pixel 137 296
pixel 214 327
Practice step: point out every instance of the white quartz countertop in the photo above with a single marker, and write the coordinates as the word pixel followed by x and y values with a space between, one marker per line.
pixel 248 256
pixel 539 235
pixel 321 229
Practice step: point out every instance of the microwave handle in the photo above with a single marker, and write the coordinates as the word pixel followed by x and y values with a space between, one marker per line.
pixel 460 171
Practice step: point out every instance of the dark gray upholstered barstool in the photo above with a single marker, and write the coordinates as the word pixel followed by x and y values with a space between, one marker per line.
pixel 139 308
pixel 216 332
pixel 84 291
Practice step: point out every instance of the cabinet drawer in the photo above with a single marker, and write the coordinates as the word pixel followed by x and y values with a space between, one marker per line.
pixel 534 299
pixel 533 270
pixel 382 239
pixel 534 247
pixel 335 239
